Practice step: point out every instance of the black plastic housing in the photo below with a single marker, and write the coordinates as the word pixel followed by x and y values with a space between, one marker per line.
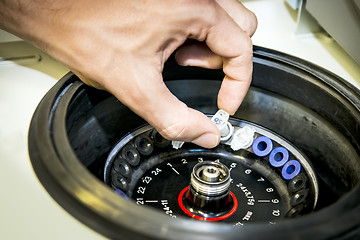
pixel 75 126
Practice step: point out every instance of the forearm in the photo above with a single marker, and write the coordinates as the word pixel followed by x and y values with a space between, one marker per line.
pixel 16 16
pixel 31 20
pixel 9 9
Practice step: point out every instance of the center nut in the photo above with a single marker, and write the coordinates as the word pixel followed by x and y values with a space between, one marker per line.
pixel 208 197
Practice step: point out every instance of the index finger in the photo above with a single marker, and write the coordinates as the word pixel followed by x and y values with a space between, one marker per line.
pixel 228 40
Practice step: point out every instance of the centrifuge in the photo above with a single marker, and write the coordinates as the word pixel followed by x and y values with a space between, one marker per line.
pixel 287 165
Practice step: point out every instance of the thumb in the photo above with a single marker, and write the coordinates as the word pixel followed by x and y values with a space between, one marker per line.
pixel 147 95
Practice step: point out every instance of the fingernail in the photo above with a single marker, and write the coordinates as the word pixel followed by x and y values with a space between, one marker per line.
pixel 207 140
pixel 190 62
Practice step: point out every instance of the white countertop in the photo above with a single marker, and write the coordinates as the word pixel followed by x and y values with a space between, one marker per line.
pixel 27 211
pixel 277 30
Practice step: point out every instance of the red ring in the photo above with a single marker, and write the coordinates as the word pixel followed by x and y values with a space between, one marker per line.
pixel 203 218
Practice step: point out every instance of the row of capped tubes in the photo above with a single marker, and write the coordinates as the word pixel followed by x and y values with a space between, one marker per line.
pixel 278 157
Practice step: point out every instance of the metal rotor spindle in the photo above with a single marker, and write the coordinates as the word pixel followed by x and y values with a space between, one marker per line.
pixel 209 188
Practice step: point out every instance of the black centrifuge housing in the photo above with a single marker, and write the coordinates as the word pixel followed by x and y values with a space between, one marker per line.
pixel 75 127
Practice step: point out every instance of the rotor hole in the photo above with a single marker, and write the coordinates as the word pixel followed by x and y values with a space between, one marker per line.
pixel 144 144
pixel 290 169
pixel 130 155
pixel 278 156
pixel 158 137
pixel 119 182
pixel 299 198
pixel 121 166
pixel 298 184
pixel 262 146
pixel 159 140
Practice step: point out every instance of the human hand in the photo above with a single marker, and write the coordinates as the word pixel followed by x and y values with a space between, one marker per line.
pixel 121 46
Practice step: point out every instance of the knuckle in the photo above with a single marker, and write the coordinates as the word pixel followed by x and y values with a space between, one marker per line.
pixel 247 43
pixel 253 23
pixel 243 49
pixel 247 47
pixel 203 16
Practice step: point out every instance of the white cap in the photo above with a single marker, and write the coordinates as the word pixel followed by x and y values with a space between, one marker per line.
pixel 221 119
pixel 243 138
pixel 177 144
